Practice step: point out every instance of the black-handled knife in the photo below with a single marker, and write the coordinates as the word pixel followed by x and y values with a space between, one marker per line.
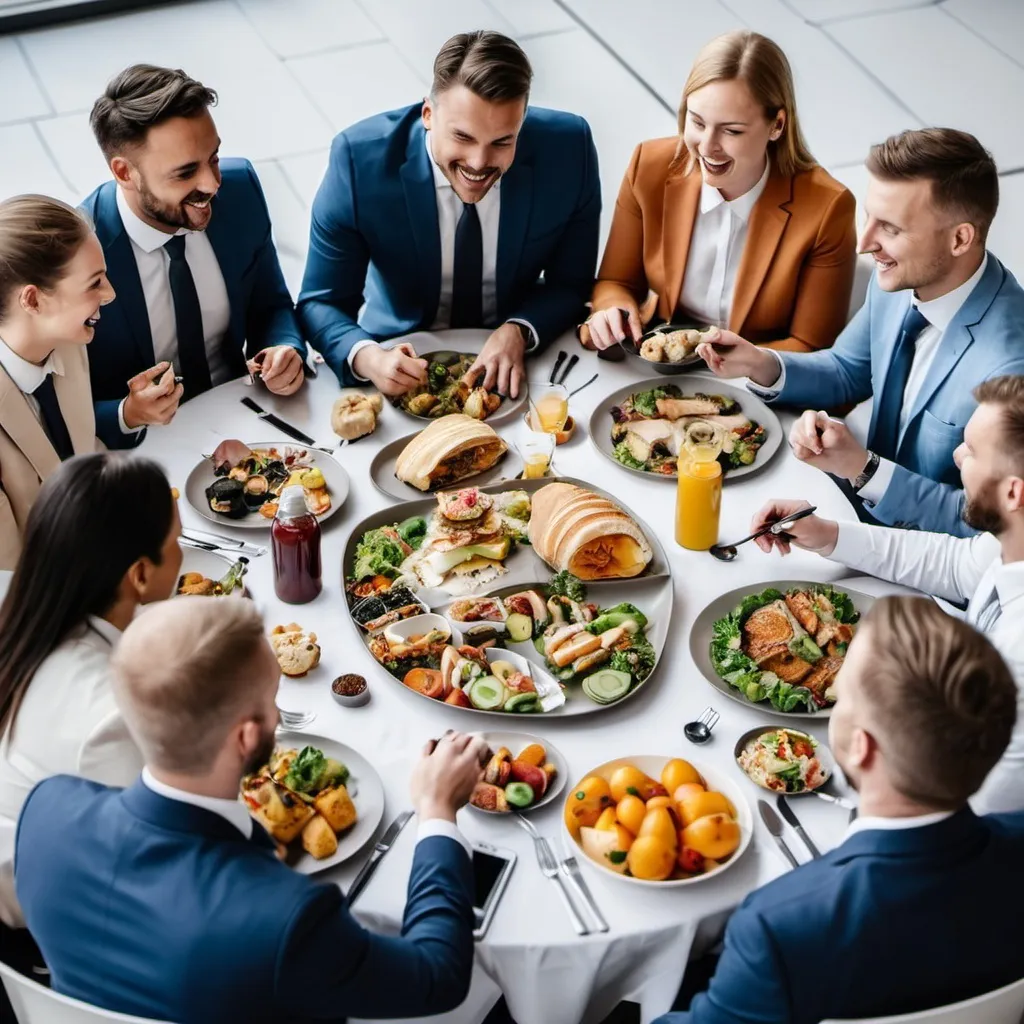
pixel 790 815
pixel 774 825
pixel 573 360
pixel 283 425
pixel 559 359
pixel 380 848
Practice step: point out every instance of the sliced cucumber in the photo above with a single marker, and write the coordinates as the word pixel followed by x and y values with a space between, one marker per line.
pixel 487 693
pixel 522 702
pixel 519 794
pixel 538 644
pixel 520 627
pixel 607 685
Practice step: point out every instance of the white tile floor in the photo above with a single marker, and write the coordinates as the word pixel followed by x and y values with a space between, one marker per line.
pixel 291 73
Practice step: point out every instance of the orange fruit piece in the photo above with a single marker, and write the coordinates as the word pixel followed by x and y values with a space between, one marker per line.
pixel 649 858
pixel 678 772
pixel 715 836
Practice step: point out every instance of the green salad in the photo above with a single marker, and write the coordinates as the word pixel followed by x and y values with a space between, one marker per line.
pixel 380 552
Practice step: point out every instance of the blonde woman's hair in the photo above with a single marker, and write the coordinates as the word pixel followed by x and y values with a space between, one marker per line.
pixel 761 64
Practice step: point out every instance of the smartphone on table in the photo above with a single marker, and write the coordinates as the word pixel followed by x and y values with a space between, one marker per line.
pixel 492 867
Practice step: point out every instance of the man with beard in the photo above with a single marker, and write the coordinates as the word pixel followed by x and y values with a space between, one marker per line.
pixel 920 906
pixel 984 572
pixel 465 210
pixel 941 316
pixel 166 900
pixel 189 251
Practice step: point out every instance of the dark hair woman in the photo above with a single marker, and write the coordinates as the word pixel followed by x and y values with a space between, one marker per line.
pixel 101 540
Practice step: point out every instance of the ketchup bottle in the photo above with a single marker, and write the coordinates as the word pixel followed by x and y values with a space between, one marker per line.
pixel 295 540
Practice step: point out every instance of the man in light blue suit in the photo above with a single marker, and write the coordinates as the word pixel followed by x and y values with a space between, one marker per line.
pixel 189 251
pixel 166 899
pixel 468 210
pixel 921 905
pixel 942 315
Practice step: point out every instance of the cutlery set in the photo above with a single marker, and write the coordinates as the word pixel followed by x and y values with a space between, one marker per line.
pixel 554 378
pixel 773 823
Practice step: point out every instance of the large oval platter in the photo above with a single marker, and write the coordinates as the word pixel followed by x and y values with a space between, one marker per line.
pixel 202 475
pixel 382 472
pixel 651 592
pixel 753 408
pixel 720 607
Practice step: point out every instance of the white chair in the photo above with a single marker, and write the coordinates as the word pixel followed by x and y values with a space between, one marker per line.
pixel 35 1004
pixel 1003 1006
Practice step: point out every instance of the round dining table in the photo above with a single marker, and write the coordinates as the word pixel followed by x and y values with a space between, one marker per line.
pixel 547 973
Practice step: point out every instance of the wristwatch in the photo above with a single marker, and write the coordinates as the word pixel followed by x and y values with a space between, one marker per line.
pixel 866 473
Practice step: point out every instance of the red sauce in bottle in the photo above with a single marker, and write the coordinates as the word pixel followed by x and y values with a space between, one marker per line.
pixel 295 541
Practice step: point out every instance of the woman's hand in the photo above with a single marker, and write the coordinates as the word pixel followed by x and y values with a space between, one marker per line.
pixel 608 327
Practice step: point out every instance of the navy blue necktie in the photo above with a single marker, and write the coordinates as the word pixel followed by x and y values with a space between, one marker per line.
pixel 468 273
pixel 886 438
pixel 53 419
pixel 188 321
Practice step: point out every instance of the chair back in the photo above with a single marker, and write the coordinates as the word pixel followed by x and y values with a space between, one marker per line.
pixel 36 1004
pixel 1002 1006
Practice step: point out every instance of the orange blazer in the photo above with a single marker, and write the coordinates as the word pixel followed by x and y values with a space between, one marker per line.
pixel 795 276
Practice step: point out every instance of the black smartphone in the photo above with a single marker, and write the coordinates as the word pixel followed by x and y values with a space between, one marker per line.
pixel 492 867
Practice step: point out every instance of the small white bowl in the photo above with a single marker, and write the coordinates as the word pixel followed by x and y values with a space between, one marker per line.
pixel 418 625
pixel 516 742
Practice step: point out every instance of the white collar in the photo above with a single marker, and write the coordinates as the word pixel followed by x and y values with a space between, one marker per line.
pixel 440 181
pixel 939 312
pixel 1008 578
pixel 106 630
pixel 28 376
pixel 145 236
pixel 895 824
pixel 741 206
pixel 231 810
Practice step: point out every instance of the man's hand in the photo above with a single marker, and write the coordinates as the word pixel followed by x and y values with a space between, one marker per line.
pixel 281 369
pixel 447 772
pixel 828 445
pixel 501 362
pixel 393 371
pixel 729 355
pixel 812 532
pixel 608 328
pixel 153 397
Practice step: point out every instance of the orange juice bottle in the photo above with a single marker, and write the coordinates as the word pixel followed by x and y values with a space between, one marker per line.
pixel 699 495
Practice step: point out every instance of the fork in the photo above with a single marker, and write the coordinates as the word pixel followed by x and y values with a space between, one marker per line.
pixel 295 719
pixel 549 869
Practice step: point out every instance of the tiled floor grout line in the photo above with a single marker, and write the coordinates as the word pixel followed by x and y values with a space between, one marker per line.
pixel 417 72
pixel 870 14
pixel 988 42
pixel 43 118
pixel 36 77
pixel 53 160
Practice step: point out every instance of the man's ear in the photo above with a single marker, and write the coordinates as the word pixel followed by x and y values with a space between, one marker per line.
pixel 1014 493
pixel 863 749
pixel 427 112
pixel 122 171
pixel 963 238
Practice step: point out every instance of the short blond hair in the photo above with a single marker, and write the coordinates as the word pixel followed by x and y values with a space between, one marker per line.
pixel 761 64
pixel 182 676
pixel 943 702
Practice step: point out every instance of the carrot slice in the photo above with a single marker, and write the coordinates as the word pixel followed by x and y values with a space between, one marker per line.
pixel 427 681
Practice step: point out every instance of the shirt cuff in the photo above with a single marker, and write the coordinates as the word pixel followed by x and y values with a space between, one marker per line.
pixel 534 336
pixel 351 360
pixel 852 542
pixel 774 390
pixel 874 490
pixel 440 827
pixel 125 429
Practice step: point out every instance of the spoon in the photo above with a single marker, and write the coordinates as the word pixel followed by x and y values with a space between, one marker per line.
pixel 727 552
pixel 699 731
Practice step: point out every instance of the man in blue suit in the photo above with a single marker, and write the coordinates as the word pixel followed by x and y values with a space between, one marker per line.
pixel 468 210
pixel 166 899
pixel 942 315
pixel 921 904
pixel 189 251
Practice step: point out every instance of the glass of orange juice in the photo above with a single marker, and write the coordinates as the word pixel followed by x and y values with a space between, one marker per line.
pixel 699 495
pixel 536 451
pixel 549 407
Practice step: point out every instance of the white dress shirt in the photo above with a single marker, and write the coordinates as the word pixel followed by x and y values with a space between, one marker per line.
pixel 958 569
pixel 153 263
pixel 866 824
pixel 939 313
pixel 716 248
pixel 68 724
pixel 28 376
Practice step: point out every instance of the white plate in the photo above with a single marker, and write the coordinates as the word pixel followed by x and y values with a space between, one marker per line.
pixel 517 741
pixel 652 764
pixel 210 564
pixel 366 790
pixel 202 476
pixel 821 751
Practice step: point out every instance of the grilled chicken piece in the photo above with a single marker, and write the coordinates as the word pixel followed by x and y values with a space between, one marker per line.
pixel 489 798
pixel 787 666
pixel 651 430
pixel 591 660
pixel 767 631
pixel 697 405
pixel 821 677
pixel 802 608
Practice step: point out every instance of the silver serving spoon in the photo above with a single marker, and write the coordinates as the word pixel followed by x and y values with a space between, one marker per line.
pixel 727 552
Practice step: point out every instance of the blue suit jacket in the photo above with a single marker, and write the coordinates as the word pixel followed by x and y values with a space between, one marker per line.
pixel 890 922
pixel 985 339
pixel 262 311
pixel 375 237
pixel 154 907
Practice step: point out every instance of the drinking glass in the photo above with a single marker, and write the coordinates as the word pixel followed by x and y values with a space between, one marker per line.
pixel 536 451
pixel 549 407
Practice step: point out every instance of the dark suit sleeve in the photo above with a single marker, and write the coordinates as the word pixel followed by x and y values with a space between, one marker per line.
pixel 270 317
pixel 108 425
pixel 749 986
pixel 332 967
pixel 332 286
pixel 557 303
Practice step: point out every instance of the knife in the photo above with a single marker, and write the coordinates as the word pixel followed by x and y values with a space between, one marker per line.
pixel 573 360
pixel 839 801
pixel 276 421
pixel 774 825
pixel 570 867
pixel 790 815
pixel 380 848
pixel 558 365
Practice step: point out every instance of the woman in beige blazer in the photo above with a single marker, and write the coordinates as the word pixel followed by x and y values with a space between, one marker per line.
pixel 53 281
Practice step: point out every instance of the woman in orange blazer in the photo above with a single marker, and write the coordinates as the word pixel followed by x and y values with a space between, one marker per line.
pixel 732 223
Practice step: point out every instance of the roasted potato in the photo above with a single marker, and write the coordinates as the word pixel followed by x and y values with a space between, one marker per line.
pixel 318 838
pixel 281 814
pixel 337 808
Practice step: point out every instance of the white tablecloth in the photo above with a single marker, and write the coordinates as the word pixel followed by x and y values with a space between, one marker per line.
pixel 547 973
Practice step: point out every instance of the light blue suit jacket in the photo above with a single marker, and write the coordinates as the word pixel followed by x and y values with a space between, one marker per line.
pixel 984 340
